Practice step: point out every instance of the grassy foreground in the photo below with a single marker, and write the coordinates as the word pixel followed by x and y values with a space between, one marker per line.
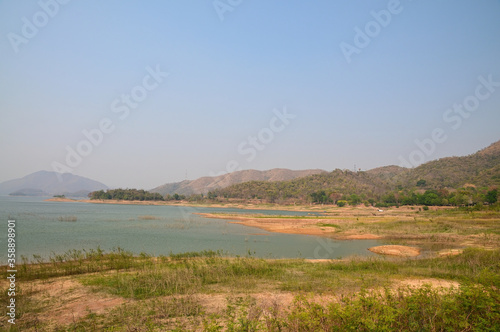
pixel 97 291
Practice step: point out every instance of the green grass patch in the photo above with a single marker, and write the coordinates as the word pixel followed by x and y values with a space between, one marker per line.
pixel 329 225
pixel 188 276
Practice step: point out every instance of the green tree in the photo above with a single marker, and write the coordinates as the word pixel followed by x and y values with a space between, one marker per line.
pixel 430 198
pixel 354 199
pixel 421 183
pixel 320 197
pixel 177 197
pixel 492 196
pixel 389 199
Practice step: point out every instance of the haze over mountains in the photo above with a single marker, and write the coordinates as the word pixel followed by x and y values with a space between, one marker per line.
pixel 44 183
pixel 480 169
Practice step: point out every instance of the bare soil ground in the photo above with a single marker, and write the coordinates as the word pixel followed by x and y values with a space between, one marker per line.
pixel 434 283
pixel 277 225
pixel 66 300
pixel 395 250
pixel 69 300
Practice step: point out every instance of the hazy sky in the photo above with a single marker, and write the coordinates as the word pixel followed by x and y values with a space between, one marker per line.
pixel 141 93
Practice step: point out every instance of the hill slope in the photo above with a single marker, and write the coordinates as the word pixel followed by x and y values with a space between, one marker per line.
pixel 206 184
pixel 337 183
pixel 481 169
pixel 48 183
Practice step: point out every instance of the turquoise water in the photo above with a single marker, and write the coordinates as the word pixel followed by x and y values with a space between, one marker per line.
pixel 175 229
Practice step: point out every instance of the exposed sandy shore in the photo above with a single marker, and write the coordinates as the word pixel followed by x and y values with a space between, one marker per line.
pixel 450 252
pixel 246 206
pixel 278 225
pixel 309 226
pixel 394 250
pixel 312 226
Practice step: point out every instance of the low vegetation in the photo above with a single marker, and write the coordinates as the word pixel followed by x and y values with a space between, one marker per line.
pixel 67 218
pixel 148 217
pixel 206 291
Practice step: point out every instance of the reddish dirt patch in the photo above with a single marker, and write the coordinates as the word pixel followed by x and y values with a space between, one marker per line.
pixel 361 237
pixel 434 283
pixel 450 252
pixel 278 225
pixel 69 300
pixel 394 250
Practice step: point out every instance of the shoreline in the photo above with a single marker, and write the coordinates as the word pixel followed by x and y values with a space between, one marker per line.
pixel 243 206
pixel 407 226
pixel 301 226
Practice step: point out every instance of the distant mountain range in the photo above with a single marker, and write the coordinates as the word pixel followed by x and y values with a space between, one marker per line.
pixel 44 183
pixel 206 184
pixel 481 169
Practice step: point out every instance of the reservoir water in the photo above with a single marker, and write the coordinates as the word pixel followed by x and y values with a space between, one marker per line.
pixel 155 230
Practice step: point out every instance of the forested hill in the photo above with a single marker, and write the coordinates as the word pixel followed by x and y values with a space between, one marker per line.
pixel 206 184
pixel 481 169
pixel 336 183
pixel 454 180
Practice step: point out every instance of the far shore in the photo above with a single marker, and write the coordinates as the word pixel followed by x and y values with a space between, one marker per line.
pixel 316 208
pixel 246 206
pixel 102 201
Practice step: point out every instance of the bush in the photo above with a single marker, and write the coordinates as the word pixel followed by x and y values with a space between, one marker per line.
pixel 471 308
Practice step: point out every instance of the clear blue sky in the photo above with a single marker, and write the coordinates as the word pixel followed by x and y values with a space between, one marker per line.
pixel 63 67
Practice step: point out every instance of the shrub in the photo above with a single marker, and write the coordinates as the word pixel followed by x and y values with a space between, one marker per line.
pixel 341 203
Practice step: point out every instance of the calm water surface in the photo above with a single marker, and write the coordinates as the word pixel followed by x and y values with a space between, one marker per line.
pixel 175 229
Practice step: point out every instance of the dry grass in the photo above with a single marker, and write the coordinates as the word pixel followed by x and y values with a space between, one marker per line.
pixel 200 291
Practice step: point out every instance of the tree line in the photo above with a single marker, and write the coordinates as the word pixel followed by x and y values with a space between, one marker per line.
pixel 126 195
pixel 134 195
pixel 349 193
pixel 288 192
